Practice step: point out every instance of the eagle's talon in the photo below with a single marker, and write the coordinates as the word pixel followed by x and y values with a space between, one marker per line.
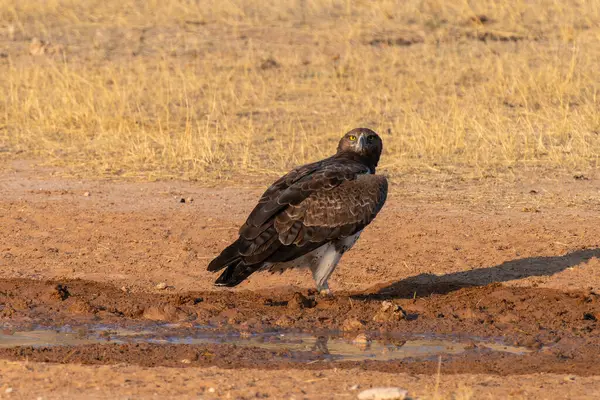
pixel 325 293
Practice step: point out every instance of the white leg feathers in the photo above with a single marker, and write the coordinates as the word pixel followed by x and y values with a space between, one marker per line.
pixel 327 257
pixel 323 266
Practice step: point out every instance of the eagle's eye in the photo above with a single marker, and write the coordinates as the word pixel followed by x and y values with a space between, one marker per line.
pixel 352 138
pixel 370 139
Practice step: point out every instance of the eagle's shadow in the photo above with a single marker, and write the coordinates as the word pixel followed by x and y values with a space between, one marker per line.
pixel 423 285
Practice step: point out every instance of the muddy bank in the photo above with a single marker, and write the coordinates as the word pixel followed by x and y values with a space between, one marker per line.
pixel 530 315
pixel 560 330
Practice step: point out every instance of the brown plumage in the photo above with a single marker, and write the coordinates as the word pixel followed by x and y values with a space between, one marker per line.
pixel 310 216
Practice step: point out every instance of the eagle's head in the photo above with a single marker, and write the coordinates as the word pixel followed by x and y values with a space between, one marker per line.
pixel 363 142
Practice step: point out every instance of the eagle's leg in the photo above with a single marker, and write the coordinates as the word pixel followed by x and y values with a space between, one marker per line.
pixel 323 266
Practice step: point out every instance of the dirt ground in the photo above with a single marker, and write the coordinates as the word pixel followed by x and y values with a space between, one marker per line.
pixel 51 381
pixel 515 260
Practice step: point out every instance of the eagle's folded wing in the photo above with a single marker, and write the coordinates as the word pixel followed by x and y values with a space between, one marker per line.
pixel 323 216
pixel 332 214
pixel 295 187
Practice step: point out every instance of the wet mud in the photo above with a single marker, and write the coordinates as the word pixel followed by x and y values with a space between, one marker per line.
pixel 491 329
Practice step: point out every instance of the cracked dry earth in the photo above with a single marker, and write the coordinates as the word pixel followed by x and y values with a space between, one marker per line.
pixel 104 294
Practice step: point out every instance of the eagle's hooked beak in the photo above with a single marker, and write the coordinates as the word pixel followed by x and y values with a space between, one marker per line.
pixel 362 141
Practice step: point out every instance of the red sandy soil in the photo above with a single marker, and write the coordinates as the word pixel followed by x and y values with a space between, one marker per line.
pixel 513 259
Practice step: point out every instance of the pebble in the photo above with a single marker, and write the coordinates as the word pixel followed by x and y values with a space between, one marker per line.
pixel 352 324
pixel 161 286
pixel 383 393
pixel 354 387
pixel 87 194
pixel 211 390
pixel 386 305
pixel 186 361
pixel 361 340
pixel 8 390
pixel 389 312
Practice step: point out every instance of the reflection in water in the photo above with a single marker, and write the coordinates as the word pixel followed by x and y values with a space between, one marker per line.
pixel 331 346
pixel 321 345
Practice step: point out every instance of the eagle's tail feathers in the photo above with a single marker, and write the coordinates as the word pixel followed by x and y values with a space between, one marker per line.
pixel 229 255
pixel 235 273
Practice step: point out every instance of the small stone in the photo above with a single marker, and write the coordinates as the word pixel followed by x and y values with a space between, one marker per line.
pixel 211 390
pixel 124 289
pixel 383 393
pixel 386 305
pixel 352 324
pixel 8 390
pixel 86 194
pixel 186 361
pixel 189 199
pixel 362 341
pixel 182 200
pixel 389 312
pixel 361 338
pixel 161 286
pixel 354 387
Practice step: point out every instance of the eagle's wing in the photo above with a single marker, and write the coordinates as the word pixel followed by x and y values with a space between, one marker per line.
pixel 296 186
pixel 300 212
pixel 334 213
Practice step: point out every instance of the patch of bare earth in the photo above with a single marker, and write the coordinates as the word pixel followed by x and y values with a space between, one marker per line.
pixel 516 261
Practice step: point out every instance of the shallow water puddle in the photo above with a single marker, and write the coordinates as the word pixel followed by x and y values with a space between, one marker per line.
pixel 330 346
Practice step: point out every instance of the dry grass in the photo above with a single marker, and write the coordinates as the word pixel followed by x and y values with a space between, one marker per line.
pixel 215 89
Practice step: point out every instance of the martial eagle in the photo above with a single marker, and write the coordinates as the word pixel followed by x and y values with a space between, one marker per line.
pixel 311 216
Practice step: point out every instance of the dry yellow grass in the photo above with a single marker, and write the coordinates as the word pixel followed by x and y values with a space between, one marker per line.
pixel 215 89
